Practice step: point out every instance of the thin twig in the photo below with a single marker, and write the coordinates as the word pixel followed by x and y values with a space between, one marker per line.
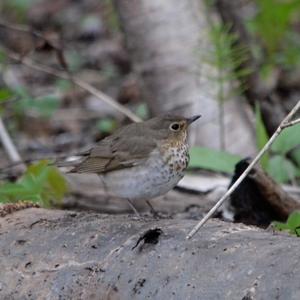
pixel 9 146
pixel 283 124
pixel 80 83
pixel 22 28
pixel 54 45
pixel 291 123
pixel 65 75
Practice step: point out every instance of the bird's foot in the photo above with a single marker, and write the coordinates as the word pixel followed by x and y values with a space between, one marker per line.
pixel 156 214
pixel 136 215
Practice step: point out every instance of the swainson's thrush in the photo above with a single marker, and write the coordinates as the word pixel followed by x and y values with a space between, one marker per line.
pixel 142 160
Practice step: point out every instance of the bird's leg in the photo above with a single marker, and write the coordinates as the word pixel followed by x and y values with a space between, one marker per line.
pixel 106 194
pixel 133 208
pixel 153 211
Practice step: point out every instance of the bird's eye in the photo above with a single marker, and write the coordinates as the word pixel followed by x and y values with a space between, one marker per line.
pixel 174 126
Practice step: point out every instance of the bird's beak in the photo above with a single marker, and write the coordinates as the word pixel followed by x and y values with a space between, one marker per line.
pixel 192 119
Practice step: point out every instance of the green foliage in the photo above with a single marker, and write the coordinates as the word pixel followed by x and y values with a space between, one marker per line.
pixel 74 60
pixel 273 25
pixel 44 106
pixel 5 94
pixel 109 71
pixel 63 85
pixel 292 224
pixel 107 125
pixel 281 168
pixel 284 165
pixel 18 7
pixel 3 56
pixel 280 43
pixel 227 56
pixel 287 140
pixel 41 183
pixel 283 161
pixel 142 111
pixel 261 136
pixel 289 57
pixel 273 21
pixel 214 160
pixel 295 154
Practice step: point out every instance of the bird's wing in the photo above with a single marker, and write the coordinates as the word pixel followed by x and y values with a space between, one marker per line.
pixel 116 152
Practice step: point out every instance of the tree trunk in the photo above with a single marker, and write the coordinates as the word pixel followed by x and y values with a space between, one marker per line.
pixel 51 254
pixel 168 44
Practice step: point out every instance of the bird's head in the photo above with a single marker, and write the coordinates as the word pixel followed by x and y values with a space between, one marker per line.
pixel 171 127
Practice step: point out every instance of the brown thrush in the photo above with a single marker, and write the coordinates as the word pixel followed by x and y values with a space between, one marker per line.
pixel 141 160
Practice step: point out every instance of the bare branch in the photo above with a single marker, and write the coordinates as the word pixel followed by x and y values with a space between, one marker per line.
pixel 80 83
pixel 291 123
pixel 9 146
pixel 21 28
pixel 267 146
pixel 65 75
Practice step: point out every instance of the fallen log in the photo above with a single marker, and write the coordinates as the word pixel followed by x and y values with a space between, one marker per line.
pixel 56 254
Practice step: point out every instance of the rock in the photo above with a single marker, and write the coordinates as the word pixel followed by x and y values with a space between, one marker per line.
pixel 52 254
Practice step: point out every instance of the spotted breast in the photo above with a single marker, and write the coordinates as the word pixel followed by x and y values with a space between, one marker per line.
pixel 158 175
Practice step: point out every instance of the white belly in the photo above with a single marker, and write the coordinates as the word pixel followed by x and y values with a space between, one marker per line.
pixel 146 181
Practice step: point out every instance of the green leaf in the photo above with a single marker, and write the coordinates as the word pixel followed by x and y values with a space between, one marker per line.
pixel 289 56
pixel 37 168
pixel 74 60
pixel 30 183
pixel 5 94
pixel 261 135
pixel 57 183
pixel 267 71
pixel 293 220
pixel 287 140
pixel 272 21
pixel 215 160
pixel 107 125
pixel 20 7
pixel 40 183
pixel 63 85
pixel 13 189
pixel 46 106
pixel 281 169
pixel 142 111
pixel 280 226
pixel 292 224
pixel 21 92
pixel 3 56
pixel 16 192
pixel 228 57
pixel 296 156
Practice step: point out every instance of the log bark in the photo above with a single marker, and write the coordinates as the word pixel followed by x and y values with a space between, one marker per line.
pixel 51 254
pixel 168 44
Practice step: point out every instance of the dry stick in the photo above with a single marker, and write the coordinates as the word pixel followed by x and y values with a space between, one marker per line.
pixel 29 31
pixel 9 146
pixel 285 122
pixel 84 85
pixel 21 28
pixel 292 123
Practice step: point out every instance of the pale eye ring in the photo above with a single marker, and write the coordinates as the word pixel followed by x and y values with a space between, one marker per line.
pixel 174 126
